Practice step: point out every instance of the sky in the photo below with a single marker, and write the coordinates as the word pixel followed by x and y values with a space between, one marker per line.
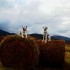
pixel 55 14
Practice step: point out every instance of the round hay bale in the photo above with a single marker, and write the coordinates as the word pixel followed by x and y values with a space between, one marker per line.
pixel 19 52
pixel 39 43
pixel 52 53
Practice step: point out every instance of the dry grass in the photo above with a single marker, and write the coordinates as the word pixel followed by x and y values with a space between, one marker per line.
pixel 67 47
pixel 67 54
pixel 67 57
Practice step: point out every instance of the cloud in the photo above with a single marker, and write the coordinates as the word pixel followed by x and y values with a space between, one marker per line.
pixel 35 14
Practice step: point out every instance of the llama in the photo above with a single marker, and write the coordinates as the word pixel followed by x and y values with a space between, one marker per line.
pixel 46 36
pixel 24 32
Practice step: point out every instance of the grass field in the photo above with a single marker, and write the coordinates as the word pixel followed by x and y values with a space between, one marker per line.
pixel 67 53
pixel 67 59
pixel 65 67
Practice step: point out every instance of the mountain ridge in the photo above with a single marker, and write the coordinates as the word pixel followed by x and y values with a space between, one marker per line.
pixel 4 33
pixel 54 37
pixel 38 36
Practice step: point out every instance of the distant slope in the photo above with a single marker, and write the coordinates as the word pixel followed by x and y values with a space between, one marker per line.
pixel 60 37
pixel 37 36
pixel 55 37
pixel 4 33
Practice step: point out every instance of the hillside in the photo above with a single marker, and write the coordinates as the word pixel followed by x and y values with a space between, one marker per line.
pixel 4 33
pixel 55 37
pixel 38 36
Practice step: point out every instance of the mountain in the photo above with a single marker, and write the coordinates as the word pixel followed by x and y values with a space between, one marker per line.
pixel 55 37
pixel 37 36
pixel 58 37
pixel 4 33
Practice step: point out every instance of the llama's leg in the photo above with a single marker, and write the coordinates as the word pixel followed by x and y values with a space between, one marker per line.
pixel 43 38
pixel 26 35
pixel 49 38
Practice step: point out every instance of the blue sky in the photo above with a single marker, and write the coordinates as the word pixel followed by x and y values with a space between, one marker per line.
pixel 55 14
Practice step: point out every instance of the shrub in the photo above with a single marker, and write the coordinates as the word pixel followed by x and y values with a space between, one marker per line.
pixel 19 52
pixel 52 53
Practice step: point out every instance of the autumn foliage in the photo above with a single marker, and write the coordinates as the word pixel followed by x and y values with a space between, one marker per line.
pixel 18 52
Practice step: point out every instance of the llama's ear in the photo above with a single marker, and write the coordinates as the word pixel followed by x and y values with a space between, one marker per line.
pixel 46 27
pixel 26 27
